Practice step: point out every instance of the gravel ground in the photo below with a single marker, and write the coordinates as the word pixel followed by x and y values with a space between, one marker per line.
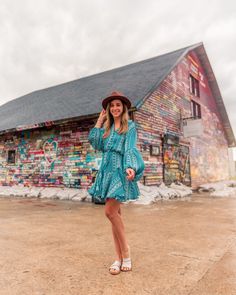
pixel 63 247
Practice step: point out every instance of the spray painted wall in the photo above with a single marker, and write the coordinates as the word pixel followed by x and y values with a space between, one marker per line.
pixel 161 114
pixel 60 156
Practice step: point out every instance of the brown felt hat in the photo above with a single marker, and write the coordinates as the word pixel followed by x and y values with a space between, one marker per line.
pixel 116 95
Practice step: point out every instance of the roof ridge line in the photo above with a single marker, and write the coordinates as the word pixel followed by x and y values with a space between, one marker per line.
pixel 106 71
pixel 186 49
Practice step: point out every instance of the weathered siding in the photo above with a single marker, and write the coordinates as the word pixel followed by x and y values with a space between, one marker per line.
pixel 160 114
pixel 209 154
pixel 60 156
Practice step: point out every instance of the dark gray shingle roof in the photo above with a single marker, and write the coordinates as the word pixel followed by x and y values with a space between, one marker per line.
pixel 83 96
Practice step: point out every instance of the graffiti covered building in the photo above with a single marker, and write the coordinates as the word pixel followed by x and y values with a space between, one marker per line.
pixel 183 128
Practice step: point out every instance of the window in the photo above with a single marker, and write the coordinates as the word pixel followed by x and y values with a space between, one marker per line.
pixel 194 86
pixel 155 150
pixel 11 157
pixel 195 109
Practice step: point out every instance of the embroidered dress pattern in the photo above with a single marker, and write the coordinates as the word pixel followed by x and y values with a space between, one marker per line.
pixel 119 153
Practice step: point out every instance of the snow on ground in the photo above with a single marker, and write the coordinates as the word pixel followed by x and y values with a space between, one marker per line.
pixel 149 194
pixel 45 192
pixel 225 188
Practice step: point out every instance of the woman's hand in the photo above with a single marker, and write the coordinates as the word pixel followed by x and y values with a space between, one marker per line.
pixel 130 174
pixel 102 116
pixel 101 119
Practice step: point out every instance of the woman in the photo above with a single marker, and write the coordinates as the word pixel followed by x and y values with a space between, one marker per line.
pixel 122 166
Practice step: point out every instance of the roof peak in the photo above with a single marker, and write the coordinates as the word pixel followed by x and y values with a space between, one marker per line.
pixel 110 70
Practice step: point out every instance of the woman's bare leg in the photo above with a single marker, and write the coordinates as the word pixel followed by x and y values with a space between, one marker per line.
pixel 116 241
pixel 117 244
pixel 112 211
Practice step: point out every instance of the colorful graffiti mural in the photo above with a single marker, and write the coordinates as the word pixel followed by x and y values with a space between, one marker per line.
pixel 50 155
pixel 176 164
pixel 61 156
pixel 161 113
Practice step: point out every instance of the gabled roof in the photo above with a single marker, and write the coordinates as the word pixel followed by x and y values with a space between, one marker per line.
pixel 83 97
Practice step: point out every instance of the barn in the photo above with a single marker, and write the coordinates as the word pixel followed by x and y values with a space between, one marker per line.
pixel 182 125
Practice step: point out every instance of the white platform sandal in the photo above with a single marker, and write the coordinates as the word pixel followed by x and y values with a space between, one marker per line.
pixel 114 269
pixel 126 264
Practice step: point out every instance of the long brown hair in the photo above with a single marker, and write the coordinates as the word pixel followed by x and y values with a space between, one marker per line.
pixel 123 123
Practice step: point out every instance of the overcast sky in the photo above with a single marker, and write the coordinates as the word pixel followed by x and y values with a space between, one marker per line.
pixel 48 42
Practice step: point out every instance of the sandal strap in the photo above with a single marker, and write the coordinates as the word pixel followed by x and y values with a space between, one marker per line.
pixel 126 262
pixel 115 265
pixel 126 259
pixel 116 262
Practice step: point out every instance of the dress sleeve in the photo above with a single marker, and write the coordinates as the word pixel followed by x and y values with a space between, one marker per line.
pixel 132 157
pixel 95 138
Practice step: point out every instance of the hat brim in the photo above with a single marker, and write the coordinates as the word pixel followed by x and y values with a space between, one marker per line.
pixel 110 98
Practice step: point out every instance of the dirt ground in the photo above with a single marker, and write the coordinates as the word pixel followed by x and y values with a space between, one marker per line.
pixel 64 247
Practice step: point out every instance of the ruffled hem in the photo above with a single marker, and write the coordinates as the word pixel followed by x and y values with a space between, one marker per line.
pixel 114 185
pixel 121 200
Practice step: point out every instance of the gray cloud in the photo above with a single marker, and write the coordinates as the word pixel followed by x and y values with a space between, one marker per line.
pixel 53 41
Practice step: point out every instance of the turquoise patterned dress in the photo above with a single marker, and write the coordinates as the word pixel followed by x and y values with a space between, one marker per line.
pixel 119 153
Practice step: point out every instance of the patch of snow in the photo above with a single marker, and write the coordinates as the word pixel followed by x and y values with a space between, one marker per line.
pixel 15 191
pixel 34 192
pixel 149 194
pixel 63 194
pixel 4 191
pixel 49 193
pixel 226 188
pixel 182 190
